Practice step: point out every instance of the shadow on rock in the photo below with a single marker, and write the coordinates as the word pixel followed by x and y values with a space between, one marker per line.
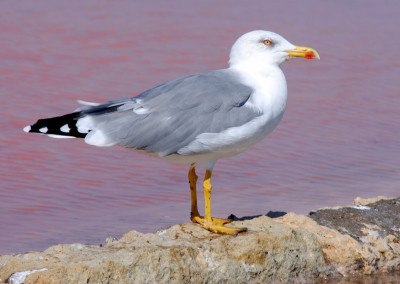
pixel 270 214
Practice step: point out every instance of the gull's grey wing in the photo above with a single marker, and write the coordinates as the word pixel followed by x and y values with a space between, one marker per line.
pixel 168 117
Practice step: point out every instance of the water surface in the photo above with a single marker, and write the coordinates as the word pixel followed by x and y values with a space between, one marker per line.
pixel 339 138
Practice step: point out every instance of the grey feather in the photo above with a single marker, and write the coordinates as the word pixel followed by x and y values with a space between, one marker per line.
pixel 168 117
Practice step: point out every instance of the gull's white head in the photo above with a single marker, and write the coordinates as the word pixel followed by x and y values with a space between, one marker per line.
pixel 266 48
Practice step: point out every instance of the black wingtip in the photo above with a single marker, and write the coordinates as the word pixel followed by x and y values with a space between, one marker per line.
pixel 64 126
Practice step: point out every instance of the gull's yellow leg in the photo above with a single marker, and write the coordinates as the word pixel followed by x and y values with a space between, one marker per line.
pixel 207 197
pixel 194 213
pixel 193 195
pixel 209 223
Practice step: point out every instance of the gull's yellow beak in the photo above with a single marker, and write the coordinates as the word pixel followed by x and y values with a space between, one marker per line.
pixel 303 51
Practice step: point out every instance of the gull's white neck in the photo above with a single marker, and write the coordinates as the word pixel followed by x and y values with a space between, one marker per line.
pixel 269 85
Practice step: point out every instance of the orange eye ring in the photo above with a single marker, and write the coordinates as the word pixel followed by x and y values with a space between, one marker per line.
pixel 267 42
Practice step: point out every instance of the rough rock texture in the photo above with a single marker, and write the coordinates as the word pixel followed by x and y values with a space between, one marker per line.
pixel 181 254
pixel 359 239
pixel 384 215
pixel 356 240
pixel 373 225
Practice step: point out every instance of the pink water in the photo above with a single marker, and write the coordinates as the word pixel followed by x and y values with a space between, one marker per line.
pixel 339 139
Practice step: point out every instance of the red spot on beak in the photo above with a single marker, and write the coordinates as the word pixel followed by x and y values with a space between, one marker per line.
pixel 309 55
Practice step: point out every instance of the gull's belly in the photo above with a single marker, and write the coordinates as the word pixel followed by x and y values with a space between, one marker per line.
pixel 212 146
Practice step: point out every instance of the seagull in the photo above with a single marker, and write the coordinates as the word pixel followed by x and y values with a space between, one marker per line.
pixel 197 119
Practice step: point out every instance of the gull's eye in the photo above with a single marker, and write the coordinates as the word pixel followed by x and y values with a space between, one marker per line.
pixel 267 42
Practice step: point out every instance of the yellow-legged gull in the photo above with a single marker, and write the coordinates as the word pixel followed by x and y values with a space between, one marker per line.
pixel 197 119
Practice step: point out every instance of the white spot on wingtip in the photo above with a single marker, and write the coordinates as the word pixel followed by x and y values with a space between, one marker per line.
pixel 27 128
pixel 44 129
pixel 65 128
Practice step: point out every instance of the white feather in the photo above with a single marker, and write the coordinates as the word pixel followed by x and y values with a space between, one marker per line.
pixel 59 136
pixel 65 128
pixel 44 129
pixel 84 124
pixel 84 103
pixel 97 138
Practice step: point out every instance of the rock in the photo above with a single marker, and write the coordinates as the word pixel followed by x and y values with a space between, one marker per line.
pixel 366 201
pixel 340 250
pixel 382 215
pixel 360 239
pixel 19 277
pixel 181 254
pixel 375 225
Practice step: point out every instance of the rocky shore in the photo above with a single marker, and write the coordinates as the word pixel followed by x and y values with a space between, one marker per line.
pixel 331 243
